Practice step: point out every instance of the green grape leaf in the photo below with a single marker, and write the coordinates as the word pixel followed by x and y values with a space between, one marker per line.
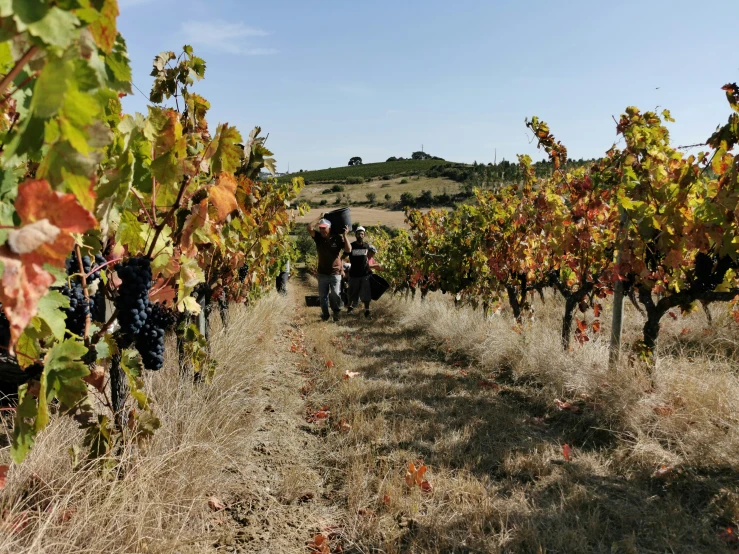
pixel 57 28
pixel 131 232
pixel 224 151
pixel 62 375
pixel 51 87
pixel 133 367
pixel 50 311
pixel 24 433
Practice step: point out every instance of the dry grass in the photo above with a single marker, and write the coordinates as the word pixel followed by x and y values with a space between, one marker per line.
pixel 155 498
pixel 474 399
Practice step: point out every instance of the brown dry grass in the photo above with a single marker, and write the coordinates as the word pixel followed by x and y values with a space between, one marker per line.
pixel 155 499
pixel 474 399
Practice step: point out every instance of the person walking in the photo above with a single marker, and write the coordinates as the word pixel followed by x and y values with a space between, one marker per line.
pixel 283 276
pixel 329 247
pixel 360 271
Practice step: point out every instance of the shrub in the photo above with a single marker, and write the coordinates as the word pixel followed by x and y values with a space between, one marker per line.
pixel 432 173
pixel 354 180
pixel 426 198
pixel 392 159
pixel 324 202
pixel 371 197
pixel 403 181
pixel 388 197
pixel 407 199
pixel 338 199
pixel 387 177
pixel 326 191
pixel 337 188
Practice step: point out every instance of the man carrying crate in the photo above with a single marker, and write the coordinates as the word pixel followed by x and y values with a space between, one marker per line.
pixel 329 248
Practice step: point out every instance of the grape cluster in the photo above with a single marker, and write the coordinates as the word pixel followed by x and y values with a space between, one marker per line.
pixel 79 306
pixel 243 272
pixel 133 294
pixel 150 341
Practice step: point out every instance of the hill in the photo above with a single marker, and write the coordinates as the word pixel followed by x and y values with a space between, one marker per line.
pixel 369 171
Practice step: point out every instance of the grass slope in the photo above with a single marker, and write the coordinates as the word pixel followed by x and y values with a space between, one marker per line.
pixel 366 171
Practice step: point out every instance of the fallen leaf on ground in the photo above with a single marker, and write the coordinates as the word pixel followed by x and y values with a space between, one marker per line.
pixel 349 374
pixel 329 363
pixel 426 486
pixel 386 499
pixel 663 410
pixel 344 426
pixel 567 452
pixel 319 544
pixel 3 475
pixel 215 504
pixel 662 471
pixel 566 406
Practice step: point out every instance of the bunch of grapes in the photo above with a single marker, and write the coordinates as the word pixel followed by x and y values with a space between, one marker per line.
pixel 79 306
pixel 133 294
pixel 150 341
pixel 243 271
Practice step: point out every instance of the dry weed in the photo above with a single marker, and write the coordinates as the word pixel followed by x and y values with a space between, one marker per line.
pixel 155 499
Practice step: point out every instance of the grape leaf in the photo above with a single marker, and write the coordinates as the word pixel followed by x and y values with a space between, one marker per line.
pixel 23 285
pixel 49 310
pixel 130 232
pixel 104 28
pixel 23 430
pixel 51 87
pixel 223 195
pixel 225 151
pixel 35 202
pixel 57 28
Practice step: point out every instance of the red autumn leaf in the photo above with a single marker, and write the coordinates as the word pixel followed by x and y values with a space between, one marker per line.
pixel 581 325
pixel 663 410
pixel 329 363
pixel 37 202
pixel 23 285
pixel 672 315
pixel 223 195
pixel 684 331
pixel 319 545
pixel 215 504
pixel 3 475
pixel 386 499
pixel 14 524
pixel 426 486
pixel 729 535
pixel 566 406
pixel 567 452
pixel 162 293
pixel 321 414
pixel 596 326
pixel 487 384
pixel 596 310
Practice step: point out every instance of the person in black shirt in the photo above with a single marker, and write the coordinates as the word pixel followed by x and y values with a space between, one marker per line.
pixel 329 247
pixel 359 273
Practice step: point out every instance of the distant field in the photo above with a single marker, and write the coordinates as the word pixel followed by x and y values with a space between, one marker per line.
pixel 313 194
pixel 363 216
pixel 366 171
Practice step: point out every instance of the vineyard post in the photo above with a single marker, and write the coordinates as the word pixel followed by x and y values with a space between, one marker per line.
pixel 618 304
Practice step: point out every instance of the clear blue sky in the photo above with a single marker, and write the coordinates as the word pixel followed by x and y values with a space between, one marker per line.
pixel 331 79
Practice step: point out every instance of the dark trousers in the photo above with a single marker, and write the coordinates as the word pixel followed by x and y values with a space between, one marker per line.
pixel 281 282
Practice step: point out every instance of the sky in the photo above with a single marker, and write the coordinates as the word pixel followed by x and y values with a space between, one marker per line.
pixel 333 79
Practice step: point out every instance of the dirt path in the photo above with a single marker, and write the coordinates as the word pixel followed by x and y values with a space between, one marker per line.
pixel 280 501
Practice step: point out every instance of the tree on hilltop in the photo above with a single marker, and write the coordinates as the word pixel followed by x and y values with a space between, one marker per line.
pixel 356 160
